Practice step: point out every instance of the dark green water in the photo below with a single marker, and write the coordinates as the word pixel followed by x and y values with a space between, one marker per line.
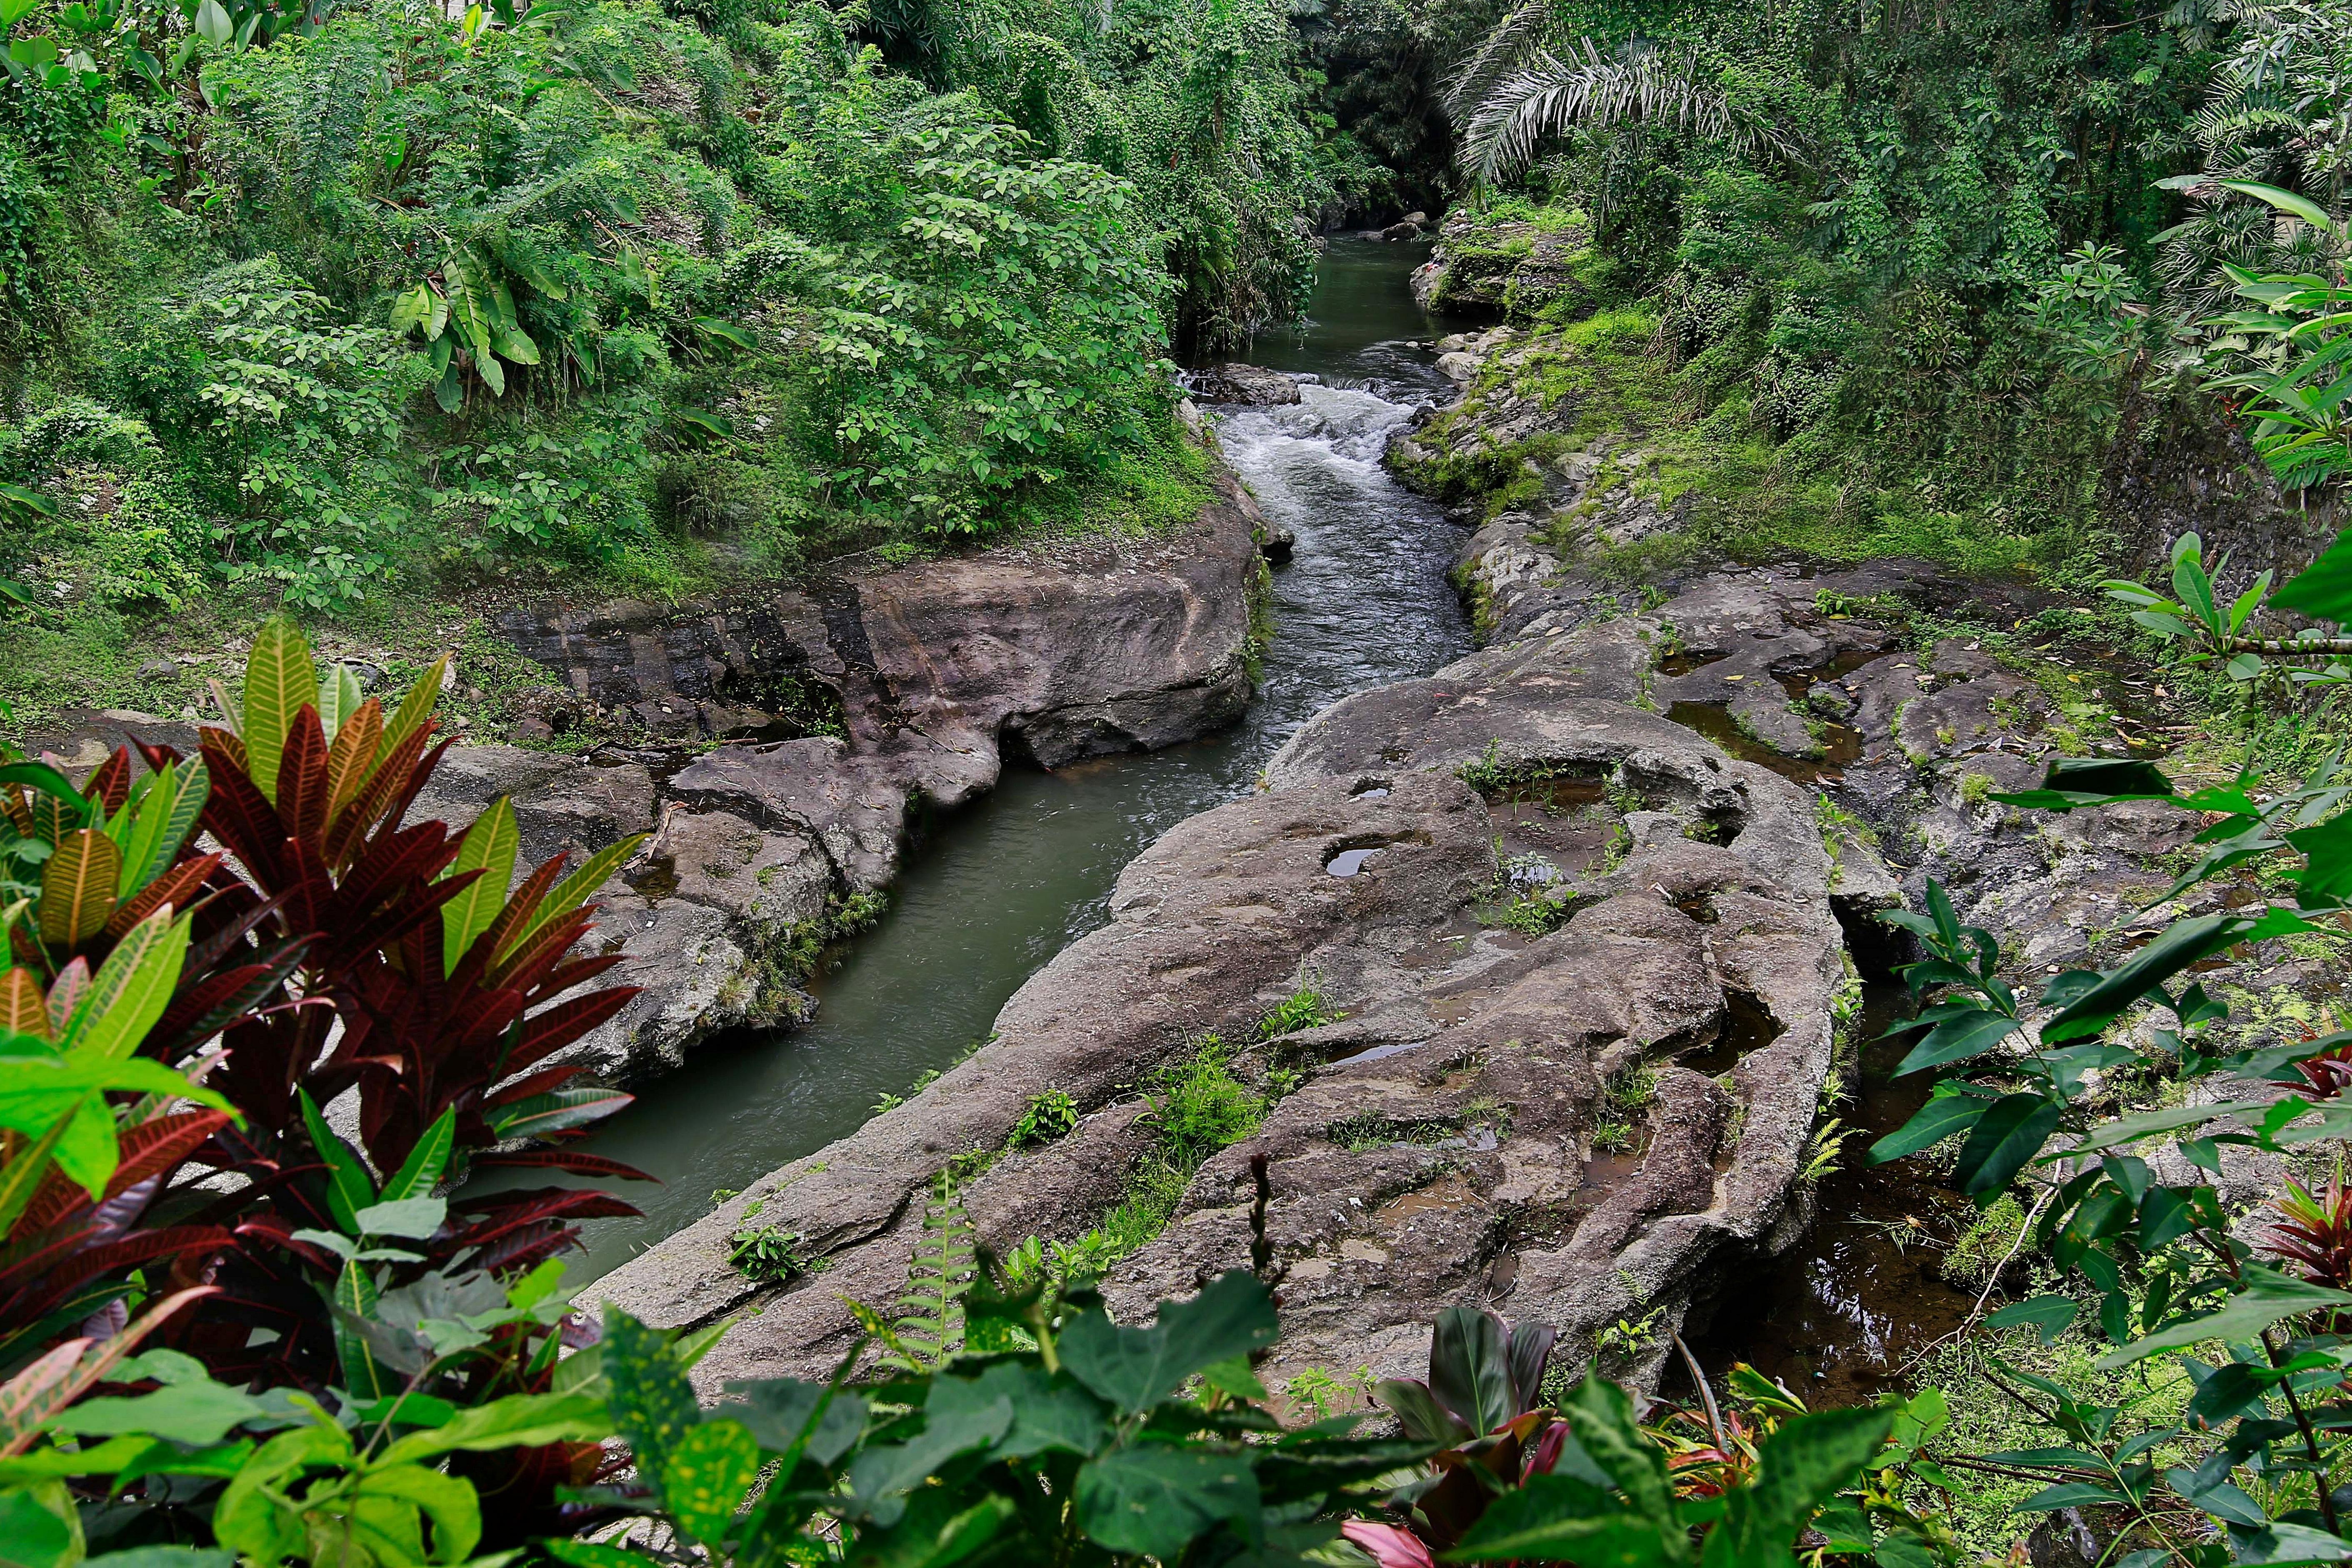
pixel 995 890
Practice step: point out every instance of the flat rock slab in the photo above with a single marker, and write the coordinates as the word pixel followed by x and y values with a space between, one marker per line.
pixel 1442 1146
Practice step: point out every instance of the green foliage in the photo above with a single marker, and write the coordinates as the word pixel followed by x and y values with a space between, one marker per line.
pixel 925 1329
pixel 1050 1114
pixel 2161 1260
pixel 1199 1106
pixel 1304 1007
pixel 601 289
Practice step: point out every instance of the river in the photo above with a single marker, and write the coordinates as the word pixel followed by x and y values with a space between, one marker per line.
pixel 993 891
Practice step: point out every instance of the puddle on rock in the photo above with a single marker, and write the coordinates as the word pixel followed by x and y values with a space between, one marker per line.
pixel 1684 661
pixel 1347 862
pixel 1747 1025
pixel 1840 745
pixel 1837 1316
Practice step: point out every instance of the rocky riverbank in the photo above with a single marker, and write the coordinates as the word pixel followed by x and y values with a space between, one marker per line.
pixel 921 682
pixel 1581 904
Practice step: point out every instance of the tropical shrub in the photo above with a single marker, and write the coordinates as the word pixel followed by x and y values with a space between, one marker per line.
pixel 2248 1462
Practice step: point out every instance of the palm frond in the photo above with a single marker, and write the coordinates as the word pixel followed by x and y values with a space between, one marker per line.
pixel 1503 50
pixel 1590 90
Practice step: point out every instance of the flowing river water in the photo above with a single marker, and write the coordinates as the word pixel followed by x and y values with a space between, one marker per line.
pixel 994 890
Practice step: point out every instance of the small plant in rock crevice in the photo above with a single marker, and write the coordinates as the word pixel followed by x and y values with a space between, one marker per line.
pixel 1050 1114
pixel 1303 1009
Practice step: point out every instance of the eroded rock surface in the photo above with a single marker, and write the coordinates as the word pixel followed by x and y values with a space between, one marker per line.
pixel 932 674
pixel 926 679
pixel 1675 930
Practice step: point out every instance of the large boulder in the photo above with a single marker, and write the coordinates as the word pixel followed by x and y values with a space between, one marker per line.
pixel 1443 1143
pixel 1253 385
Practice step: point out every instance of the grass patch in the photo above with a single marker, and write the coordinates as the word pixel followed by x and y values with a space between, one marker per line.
pixel 1197 1107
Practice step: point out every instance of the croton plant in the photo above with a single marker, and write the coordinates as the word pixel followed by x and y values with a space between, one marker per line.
pixel 211 958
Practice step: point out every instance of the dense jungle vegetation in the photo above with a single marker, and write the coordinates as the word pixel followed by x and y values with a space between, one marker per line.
pixel 357 309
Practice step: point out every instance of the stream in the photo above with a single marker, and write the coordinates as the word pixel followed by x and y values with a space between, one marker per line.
pixel 994 890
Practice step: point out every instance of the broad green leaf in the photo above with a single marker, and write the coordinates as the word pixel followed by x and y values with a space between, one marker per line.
pixel 1158 1500
pixel 196 1412
pixel 78 884
pixel 355 1298
pixel 1942 1116
pixel 489 848
pixel 652 1403
pixel 517 1421
pixel 2280 1546
pixel 2323 588
pixel 2071 1494
pixel 130 989
pixel 2012 1132
pixel 167 813
pixel 447 1500
pixel 279 681
pixel 349 1186
pixel 1136 1368
pixel 47 782
pixel 1957 1038
pixel 2049 1316
pixel 20 1178
pixel 2326 878
pixel 2287 202
pixel 556 1111
pixel 421 1170
pixel 1558 1518
pixel 414 1219
pixel 1799 1467
pixel 782 1412
pixel 575 889
pixel 1601 1423
pixel 339 698
pixel 212 24
pixel 411 309
pixel 2122 1130
pixel 958 1417
pixel 248 1519
pixel 936 1533
pixel 705 1475
pixel 40 1527
pixel 416 707
pixel 2181 944
pixel 2269 1296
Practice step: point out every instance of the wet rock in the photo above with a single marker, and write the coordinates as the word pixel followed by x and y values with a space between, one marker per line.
pixel 1401 231
pixel 561 804
pixel 1253 385
pixel 1447 1120
pixel 933 673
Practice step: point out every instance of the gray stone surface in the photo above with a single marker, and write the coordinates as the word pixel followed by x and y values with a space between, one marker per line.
pixel 1250 385
pixel 1441 1148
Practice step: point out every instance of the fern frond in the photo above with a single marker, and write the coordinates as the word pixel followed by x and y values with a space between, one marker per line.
pixel 927 1327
